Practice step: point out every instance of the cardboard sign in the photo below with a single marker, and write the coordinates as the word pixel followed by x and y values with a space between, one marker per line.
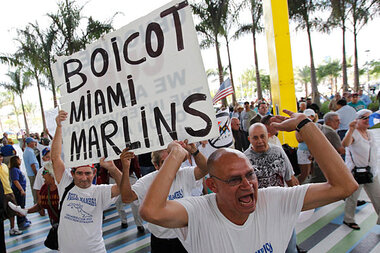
pixel 225 137
pixel 141 86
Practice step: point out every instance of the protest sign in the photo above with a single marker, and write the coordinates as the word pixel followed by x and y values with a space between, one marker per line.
pixel 141 86
pixel 225 137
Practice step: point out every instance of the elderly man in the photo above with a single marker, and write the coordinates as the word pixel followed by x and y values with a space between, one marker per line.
pixel 238 217
pixel 186 179
pixel 80 223
pixel 241 140
pixel 272 166
pixel 331 124
pixel 31 164
pixel 303 107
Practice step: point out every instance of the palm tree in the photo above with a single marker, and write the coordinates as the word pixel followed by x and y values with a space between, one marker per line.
pixel 70 37
pixel 361 11
pixel 303 75
pixel 46 40
pixel 338 18
pixel 331 70
pixel 301 11
pixel 255 28
pixel 213 15
pixel 20 81
pixel 30 52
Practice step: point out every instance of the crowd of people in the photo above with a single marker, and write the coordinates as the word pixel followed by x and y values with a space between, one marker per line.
pixel 250 193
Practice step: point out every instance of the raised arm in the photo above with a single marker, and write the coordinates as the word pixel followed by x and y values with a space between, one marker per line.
pixel 127 194
pixel 348 140
pixel 156 208
pixel 56 147
pixel 115 174
pixel 201 170
pixel 340 183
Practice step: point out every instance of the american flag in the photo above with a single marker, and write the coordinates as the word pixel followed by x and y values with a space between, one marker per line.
pixel 225 89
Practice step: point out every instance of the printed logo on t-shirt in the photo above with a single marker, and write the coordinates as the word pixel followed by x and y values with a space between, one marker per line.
pixel 176 195
pixel 77 213
pixel 267 247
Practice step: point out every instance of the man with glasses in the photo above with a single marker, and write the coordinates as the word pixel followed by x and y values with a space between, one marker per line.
pixel 163 239
pixel 238 217
pixel 80 223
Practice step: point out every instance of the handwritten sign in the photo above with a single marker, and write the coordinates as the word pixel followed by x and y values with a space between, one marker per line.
pixel 141 86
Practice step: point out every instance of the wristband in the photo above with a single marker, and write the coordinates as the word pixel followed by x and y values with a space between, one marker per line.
pixel 302 124
pixel 195 153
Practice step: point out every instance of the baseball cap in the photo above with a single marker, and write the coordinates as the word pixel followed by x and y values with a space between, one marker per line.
pixel 29 140
pixel 309 112
pixel 45 151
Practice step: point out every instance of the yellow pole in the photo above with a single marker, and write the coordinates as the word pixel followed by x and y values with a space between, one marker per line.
pixel 280 61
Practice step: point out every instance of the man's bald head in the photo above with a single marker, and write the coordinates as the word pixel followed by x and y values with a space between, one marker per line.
pixel 258 137
pixel 220 156
pixel 235 124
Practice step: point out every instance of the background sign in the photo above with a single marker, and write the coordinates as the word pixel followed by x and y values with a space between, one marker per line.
pixel 141 86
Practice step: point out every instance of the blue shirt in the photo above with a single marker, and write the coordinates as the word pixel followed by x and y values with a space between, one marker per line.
pixel 365 99
pixel 29 159
pixel 16 174
pixel 7 150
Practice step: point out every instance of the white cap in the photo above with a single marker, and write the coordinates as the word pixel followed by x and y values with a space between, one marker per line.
pixel 309 112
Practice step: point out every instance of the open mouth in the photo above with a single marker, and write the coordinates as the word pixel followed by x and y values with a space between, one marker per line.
pixel 246 200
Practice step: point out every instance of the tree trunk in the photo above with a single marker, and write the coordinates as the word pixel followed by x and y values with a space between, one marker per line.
pixel 258 81
pixel 230 67
pixel 53 88
pixel 306 91
pixel 314 85
pixel 23 111
pixel 344 62
pixel 220 67
pixel 356 67
pixel 41 104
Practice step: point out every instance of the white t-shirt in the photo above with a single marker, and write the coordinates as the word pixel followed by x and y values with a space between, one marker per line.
pixel 80 224
pixel 181 187
pixel 267 229
pixel 39 181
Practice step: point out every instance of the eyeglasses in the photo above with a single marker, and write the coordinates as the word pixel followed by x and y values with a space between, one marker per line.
pixel 233 181
pixel 44 172
pixel 364 117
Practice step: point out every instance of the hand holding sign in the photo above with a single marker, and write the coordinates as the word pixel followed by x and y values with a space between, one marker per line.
pixel 62 116
pixel 126 157
pixel 141 87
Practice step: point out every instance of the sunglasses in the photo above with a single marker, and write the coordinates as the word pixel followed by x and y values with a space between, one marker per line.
pixel 364 117
pixel 44 172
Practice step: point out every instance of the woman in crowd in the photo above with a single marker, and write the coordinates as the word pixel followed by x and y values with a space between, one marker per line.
pixel 361 156
pixel 19 187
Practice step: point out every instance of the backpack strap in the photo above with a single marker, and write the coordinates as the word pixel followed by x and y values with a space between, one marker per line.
pixel 67 189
